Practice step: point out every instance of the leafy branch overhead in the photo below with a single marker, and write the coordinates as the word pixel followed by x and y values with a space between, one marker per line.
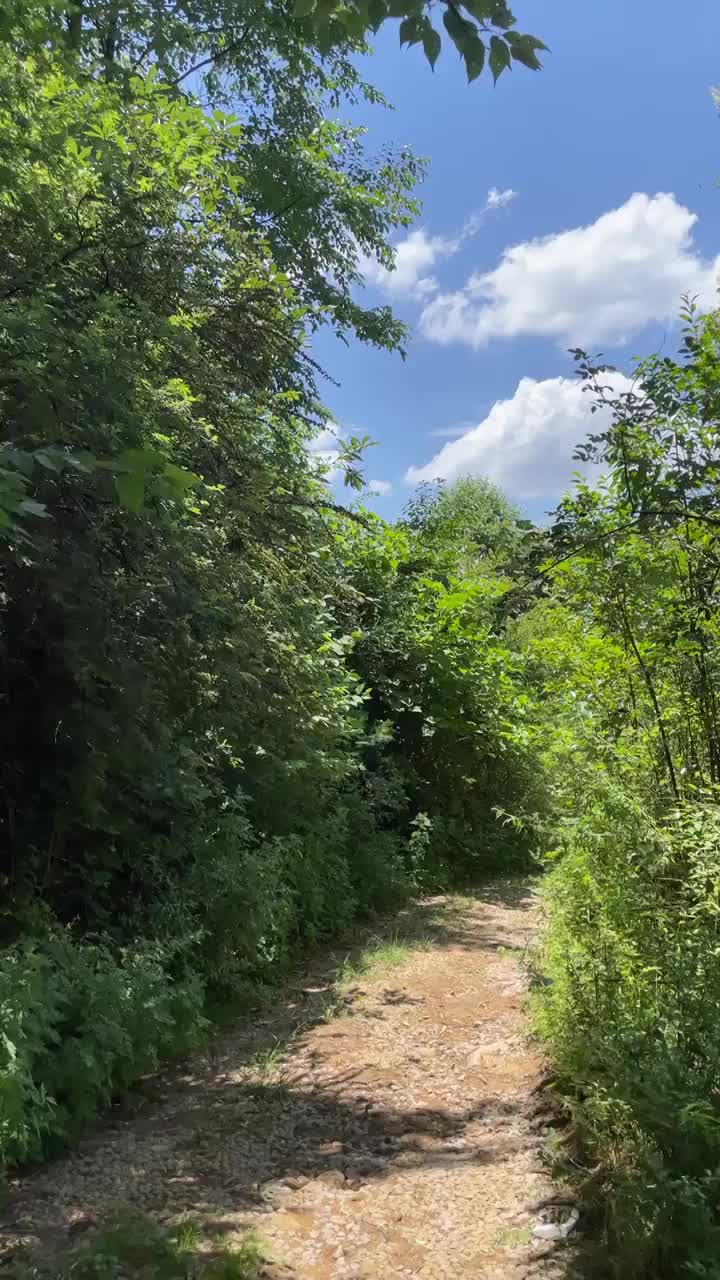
pixel 482 31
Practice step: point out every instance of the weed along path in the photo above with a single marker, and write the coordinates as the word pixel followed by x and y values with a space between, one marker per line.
pixel 378 1121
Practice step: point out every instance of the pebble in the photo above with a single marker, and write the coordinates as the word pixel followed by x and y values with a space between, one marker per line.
pixel 331 1148
pixel 331 1178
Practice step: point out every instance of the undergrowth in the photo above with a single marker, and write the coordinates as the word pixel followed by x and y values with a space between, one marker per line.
pixel 135 1248
pixel 377 956
pixel 630 1020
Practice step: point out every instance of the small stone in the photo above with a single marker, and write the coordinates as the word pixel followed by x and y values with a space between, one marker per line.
pixel 80 1222
pixel 486 1051
pixel 275 1189
pixel 420 1141
pixel 409 1159
pixel 331 1178
pixel 330 1149
pixel 556 1230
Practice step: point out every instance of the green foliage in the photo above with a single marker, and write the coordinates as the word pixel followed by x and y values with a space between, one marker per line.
pixel 376 958
pixel 447 702
pixel 625 658
pixel 134 1246
pixel 224 35
pixel 235 715
pixel 633 953
pixel 80 1024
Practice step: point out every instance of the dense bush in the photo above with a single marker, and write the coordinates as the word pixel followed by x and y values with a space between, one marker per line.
pixel 194 783
pixel 235 715
pixel 632 1018
pixel 446 685
pixel 627 662
pixel 80 1023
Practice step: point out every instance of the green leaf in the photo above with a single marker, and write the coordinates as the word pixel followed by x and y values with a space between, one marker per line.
pixel 523 49
pixel 179 478
pixel 457 27
pixel 324 37
pixel 480 9
pixel 432 44
pixel 501 16
pixel 377 13
pixel 352 21
pixel 30 508
pixel 130 489
pixel 303 8
pixel 473 51
pixel 51 461
pixel 140 459
pixel 499 57
pixel 412 30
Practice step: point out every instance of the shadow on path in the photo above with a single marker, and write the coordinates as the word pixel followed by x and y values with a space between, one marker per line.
pixel 341 1086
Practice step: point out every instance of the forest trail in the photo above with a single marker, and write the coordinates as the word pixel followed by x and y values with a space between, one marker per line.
pixel 373 1123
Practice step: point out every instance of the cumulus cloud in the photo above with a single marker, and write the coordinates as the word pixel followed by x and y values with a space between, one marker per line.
pixel 525 444
pixel 413 257
pixel 380 487
pixel 324 450
pixel 419 252
pixel 593 284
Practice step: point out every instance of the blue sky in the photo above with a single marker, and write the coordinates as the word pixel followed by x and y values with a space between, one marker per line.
pixel 622 108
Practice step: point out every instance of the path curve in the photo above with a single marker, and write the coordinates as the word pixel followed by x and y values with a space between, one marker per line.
pixel 384 1128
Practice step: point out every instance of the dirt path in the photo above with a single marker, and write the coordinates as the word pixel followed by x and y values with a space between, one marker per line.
pixel 384 1126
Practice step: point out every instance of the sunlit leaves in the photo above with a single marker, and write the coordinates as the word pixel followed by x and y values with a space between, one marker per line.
pixel 135 469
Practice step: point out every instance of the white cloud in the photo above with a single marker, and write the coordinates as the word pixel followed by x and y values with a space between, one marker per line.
pixel 449 433
pixel 327 439
pixel 380 487
pixel 499 199
pixel 413 256
pixel 593 284
pixel 419 252
pixel 525 444
pixel 324 450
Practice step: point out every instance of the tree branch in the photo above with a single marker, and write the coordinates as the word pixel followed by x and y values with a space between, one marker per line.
pixel 323 505
pixel 214 57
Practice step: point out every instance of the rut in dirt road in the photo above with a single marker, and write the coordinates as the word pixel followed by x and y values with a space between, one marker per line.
pixel 391 1132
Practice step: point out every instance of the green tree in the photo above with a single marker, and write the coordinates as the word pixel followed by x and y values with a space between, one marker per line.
pixel 220 34
pixel 446 698
pixel 624 655
pixel 196 776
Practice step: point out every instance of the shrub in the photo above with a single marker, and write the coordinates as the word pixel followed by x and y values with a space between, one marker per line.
pixel 631 1017
pixel 80 1023
pixel 133 1245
